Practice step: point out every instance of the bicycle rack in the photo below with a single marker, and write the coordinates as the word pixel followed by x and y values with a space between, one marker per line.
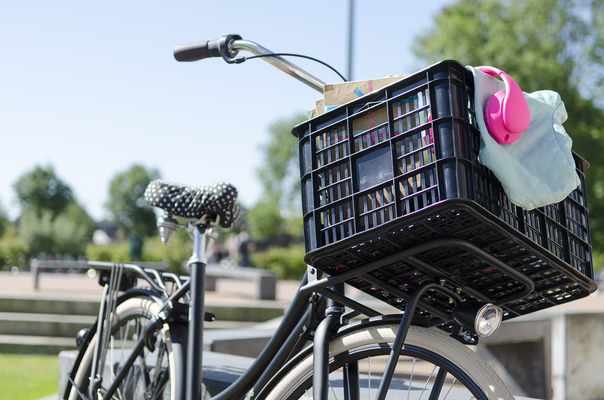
pixel 325 286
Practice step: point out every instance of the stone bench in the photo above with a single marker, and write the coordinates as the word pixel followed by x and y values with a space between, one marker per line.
pixel 37 266
pixel 266 281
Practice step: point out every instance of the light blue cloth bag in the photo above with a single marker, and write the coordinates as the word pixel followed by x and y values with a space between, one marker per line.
pixel 538 168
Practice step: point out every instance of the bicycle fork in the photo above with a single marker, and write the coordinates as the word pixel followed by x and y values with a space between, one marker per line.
pixel 324 332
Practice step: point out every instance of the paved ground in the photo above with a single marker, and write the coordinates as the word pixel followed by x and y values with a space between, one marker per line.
pixel 227 290
pixel 82 286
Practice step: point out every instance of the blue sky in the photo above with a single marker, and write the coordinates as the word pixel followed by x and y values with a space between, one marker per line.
pixel 92 87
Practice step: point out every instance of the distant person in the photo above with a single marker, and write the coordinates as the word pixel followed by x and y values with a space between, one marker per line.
pixel 215 252
pixel 136 247
pixel 245 247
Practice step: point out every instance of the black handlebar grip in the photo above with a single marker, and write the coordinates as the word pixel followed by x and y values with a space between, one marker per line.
pixel 206 49
pixel 197 51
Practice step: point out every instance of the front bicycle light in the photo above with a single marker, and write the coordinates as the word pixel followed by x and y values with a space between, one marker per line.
pixel 482 319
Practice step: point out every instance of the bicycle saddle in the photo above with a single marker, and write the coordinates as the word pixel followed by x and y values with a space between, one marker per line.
pixel 219 200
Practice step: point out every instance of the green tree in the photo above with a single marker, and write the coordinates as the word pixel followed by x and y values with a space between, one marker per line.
pixel 4 221
pixel 13 250
pixel 543 44
pixel 51 219
pixel 126 203
pixel 277 215
pixel 40 189
pixel 66 233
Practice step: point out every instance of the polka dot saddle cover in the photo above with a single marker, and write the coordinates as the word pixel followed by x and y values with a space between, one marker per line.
pixel 185 201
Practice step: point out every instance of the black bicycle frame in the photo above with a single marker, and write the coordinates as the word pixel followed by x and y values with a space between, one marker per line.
pixel 287 336
pixel 272 357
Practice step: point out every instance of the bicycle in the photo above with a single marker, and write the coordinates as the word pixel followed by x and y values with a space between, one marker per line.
pixel 454 269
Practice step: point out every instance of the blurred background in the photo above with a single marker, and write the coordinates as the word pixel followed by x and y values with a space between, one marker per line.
pixel 93 106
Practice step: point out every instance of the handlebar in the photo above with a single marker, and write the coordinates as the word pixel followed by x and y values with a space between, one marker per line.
pixel 228 47
pixel 210 48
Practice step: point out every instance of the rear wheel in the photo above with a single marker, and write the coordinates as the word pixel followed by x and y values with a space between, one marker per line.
pixel 358 357
pixel 157 367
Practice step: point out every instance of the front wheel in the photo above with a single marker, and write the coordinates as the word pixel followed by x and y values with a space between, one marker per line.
pixel 357 358
pixel 157 369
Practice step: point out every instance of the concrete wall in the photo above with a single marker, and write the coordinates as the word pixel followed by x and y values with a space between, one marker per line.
pixel 584 372
pixel 555 355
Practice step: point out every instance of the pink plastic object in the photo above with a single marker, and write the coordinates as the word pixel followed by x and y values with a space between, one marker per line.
pixel 506 112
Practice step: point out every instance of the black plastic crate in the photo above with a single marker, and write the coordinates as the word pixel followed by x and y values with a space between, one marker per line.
pixel 399 167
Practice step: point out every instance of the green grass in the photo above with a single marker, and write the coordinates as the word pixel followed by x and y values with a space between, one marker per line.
pixel 28 376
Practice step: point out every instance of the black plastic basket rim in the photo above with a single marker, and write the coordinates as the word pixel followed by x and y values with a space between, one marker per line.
pixel 313 257
pixel 378 94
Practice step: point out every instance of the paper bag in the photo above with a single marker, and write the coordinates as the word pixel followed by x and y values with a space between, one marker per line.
pixel 335 94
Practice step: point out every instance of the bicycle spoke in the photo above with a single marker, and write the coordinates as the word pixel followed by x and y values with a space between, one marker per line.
pixel 369 373
pixel 333 392
pixel 438 384
pixel 450 387
pixel 411 378
pixel 428 382
pixel 351 381
pixel 140 378
pixel 420 372
pixel 156 376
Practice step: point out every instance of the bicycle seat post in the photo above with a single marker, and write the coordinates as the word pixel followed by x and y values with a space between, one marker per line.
pixel 197 263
